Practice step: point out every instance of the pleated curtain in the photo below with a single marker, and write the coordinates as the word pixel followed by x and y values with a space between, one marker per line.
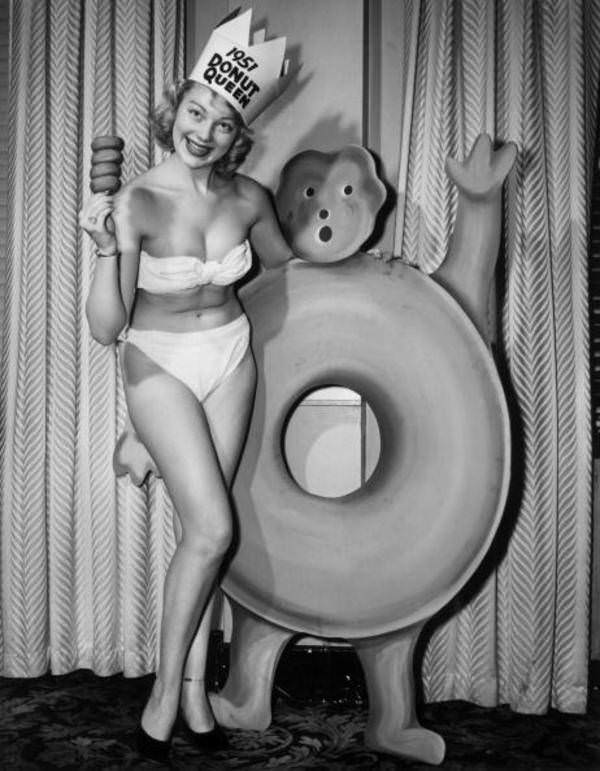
pixel 525 71
pixel 82 555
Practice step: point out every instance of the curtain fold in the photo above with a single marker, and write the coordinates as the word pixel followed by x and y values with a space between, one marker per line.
pixel 525 71
pixel 83 555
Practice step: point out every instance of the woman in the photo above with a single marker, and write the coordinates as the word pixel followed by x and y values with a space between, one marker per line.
pixel 166 271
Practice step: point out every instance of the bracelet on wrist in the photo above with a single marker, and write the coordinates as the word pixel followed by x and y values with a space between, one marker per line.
pixel 112 253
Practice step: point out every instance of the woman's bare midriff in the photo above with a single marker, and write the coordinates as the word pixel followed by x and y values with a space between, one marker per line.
pixel 205 307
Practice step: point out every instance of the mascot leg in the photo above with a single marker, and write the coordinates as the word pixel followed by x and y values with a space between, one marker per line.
pixel 392 726
pixel 256 645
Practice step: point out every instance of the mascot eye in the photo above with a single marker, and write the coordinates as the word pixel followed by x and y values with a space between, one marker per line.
pixel 309 192
pixel 348 190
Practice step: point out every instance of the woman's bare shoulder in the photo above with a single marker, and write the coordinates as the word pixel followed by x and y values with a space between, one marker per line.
pixel 140 196
pixel 252 191
pixel 143 186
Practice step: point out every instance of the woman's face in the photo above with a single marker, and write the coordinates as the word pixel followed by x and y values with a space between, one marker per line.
pixel 204 128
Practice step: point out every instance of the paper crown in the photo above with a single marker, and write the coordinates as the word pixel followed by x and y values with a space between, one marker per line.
pixel 248 76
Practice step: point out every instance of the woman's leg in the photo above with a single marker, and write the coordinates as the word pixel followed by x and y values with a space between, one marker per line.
pixel 173 426
pixel 193 700
pixel 228 412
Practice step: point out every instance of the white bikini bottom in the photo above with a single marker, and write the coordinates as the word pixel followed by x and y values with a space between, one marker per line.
pixel 202 359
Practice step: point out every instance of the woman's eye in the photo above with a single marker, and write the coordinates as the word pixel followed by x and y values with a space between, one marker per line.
pixel 348 190
pixel 309 192
pixel 226 127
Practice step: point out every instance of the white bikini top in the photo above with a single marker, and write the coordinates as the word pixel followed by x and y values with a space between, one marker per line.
pixel 164 275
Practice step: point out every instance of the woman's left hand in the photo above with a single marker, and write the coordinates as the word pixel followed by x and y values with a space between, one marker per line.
pixel 95 218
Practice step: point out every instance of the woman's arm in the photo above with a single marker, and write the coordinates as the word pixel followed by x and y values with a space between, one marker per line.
pixel 265 233
pixel 112 289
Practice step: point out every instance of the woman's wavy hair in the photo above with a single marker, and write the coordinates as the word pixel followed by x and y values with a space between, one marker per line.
pixel 164 117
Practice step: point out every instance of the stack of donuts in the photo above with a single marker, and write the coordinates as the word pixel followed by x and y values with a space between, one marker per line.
pixel 105 174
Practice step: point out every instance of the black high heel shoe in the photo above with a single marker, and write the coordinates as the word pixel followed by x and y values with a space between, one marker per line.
pixel 209 741
pixel 154 749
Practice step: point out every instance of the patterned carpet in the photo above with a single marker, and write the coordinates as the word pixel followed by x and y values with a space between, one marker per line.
pixel 81 721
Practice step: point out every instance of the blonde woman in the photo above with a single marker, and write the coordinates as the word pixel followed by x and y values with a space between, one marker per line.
pixel 164 286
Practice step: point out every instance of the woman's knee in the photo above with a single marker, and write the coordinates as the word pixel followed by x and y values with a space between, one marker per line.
pixel 209 540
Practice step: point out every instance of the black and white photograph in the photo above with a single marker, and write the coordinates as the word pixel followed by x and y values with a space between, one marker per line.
pixel 300 384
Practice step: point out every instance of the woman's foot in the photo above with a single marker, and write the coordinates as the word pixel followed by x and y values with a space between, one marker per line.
pixel 154 749
pixel 160 713
pixel 197 718
pixel 211 741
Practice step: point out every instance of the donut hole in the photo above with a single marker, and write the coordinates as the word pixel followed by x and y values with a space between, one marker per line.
pixel 331 441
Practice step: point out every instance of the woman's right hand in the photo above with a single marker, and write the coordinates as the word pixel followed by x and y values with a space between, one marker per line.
pixel 95 218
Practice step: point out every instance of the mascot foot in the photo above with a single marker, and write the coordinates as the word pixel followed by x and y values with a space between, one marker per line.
pixel 416 743
pixel 131 457
pixel 245 717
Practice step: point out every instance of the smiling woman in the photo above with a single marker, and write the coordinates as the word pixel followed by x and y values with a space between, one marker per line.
pixel 196 108
pixel 171 245
pixel 204 125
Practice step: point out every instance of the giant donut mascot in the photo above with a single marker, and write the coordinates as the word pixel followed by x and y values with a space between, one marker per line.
pixel 372 566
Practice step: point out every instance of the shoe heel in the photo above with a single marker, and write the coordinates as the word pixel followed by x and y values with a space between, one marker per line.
pixel 151 748
pixel 214 740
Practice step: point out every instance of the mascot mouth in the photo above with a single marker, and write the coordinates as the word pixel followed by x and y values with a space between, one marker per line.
pixel 325 234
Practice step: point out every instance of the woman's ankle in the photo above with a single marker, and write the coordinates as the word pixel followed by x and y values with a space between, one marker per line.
pixel 160 711
pixel 195 706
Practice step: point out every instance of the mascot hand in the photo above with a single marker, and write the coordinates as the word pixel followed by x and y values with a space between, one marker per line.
pixel 131 457
pixel 481 175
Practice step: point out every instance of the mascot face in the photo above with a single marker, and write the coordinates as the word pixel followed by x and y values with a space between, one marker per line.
pixel 327 202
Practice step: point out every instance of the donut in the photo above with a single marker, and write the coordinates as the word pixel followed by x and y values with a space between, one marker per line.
pixel 105 169
pixel 109 155
pixel 395 551
pixel 109 183
pixel 107 141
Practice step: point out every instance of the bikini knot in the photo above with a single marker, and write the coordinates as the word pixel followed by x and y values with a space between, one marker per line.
pixel 207 271
pixel 233 266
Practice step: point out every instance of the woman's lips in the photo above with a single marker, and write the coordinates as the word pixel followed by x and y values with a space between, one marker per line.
pixel 199 150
